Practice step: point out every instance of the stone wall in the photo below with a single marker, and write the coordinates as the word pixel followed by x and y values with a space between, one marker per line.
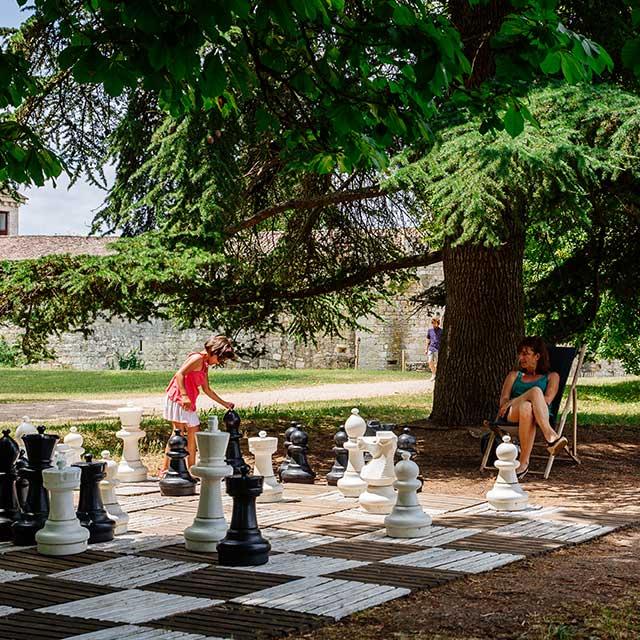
pixel 10 206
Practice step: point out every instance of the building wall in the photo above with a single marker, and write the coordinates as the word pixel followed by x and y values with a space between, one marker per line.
pixel 11 206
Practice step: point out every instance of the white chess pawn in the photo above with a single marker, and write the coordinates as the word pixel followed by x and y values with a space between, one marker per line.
pixel 407 520
pixel 131 468
pixel 23 429
pixel 351 485
pixel 74 441
pixel 62 534
pixel 263 449
pixel 109 498
pixel 378 473
pixel 507 494
pixel 209 526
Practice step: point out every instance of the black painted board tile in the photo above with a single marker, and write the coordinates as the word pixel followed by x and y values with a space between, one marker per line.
pixel 219 583
pixel 42 591
pixel 504 544
pixel 414 578
pixel 241 622
pixel 330 526
pixel 179 552
pixel 30 561
pixel 31 625
pixel 368 551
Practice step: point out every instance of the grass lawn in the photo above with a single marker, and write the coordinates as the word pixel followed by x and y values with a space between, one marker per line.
pixel 47 384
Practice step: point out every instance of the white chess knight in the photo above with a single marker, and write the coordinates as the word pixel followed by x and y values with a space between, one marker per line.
pixel 109 498
pixel 209 526
pixel 378 473
pixel 131 468
pixel 263 448
pixel 23 429
pixel 74 441
pixel 351 485
pixel 62 534
pixel 507 494
pixel 407 519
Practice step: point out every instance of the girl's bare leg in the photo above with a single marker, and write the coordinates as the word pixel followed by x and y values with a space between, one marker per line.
pixel 165 463
pixel 192 444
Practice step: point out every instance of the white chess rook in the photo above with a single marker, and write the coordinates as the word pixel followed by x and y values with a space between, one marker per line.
pixel 62 534
pixel 407 519
pixel 507 494
pixel 74 441
pixel 351 485
pixel 209 526
pixel 109 498
pixel 263 449
pixel 379 474
pixel 131 468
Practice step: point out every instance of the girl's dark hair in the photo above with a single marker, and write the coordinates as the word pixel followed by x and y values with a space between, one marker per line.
pixel 220 346
pixel 537 345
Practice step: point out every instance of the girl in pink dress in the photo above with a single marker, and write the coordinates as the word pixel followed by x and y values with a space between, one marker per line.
pixel 183 390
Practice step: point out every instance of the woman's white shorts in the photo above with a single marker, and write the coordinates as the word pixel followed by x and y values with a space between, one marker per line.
pixel 175 413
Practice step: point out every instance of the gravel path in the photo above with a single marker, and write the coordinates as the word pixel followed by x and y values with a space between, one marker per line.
pixel 77 409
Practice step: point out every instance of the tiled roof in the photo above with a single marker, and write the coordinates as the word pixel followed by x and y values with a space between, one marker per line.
pixel 28 247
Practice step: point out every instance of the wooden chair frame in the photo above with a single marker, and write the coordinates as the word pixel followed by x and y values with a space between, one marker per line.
pixel 570 407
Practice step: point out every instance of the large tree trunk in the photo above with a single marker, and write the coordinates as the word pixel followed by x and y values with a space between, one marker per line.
pixel 484 321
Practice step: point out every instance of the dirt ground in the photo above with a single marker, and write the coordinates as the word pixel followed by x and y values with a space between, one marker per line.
pixel 559 595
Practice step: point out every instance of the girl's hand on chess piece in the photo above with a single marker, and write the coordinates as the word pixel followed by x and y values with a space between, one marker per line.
pixel 228 405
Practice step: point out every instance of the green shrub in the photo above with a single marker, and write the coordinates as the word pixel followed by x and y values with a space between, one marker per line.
pixel 130 360
pixel 10 354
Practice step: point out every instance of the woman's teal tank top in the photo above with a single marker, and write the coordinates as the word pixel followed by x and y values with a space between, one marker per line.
pixel 519 387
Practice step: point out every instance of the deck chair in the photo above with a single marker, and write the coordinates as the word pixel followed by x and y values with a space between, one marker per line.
pixel 561 359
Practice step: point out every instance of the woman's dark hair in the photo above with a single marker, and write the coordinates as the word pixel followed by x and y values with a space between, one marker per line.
pixel 537 345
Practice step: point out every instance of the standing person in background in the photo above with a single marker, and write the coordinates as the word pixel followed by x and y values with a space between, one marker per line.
pixel 184 388
pixel 433 345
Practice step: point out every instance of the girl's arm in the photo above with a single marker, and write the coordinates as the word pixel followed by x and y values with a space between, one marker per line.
pixel 552 387
pixel 190 364
pixel 505 394
pixel 215 397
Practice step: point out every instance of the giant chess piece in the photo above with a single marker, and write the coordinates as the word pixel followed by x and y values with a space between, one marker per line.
pixel 262 449
pixel 298 470
pixel 341 457
pixel 74 451
pixel 407 519
pixel 109 498
pixel 507 494
pixel 177 481
pixel 22 483
pixel 35 510
pixel 287 443
pixel 91 511
pixel 9 507
pixel 24 428
pixel 62 534
pixel 233 456
pixel 131 468
pixel 406 442
pixel 243 546
pixel 351 485
pixel 209 526
pixel 379 474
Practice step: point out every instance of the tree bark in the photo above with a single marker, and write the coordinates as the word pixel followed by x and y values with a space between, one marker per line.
pixel 484 321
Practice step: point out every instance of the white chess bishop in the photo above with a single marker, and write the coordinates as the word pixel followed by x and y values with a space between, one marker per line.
pixel 23 429
pixel 263 449
pixel 351 485
pixel 408 519
pixel 74 441
pixel 507 494
pixel 62 534
pixel 109 498
pixel 378 473
pixel 131 468
pixel 209 526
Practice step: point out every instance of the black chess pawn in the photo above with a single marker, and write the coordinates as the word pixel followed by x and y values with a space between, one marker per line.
pixel 177 481
pixel 243 546
pixel 341 457
pixel 373 426
pixel 298 469
pixel 35 509
pixel 9 507
pixel 233 456
pixel 91 511
pixel 287 443
pixel 22 483
pixel 406 442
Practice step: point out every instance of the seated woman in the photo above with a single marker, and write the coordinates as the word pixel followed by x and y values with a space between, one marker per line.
pixel 526 396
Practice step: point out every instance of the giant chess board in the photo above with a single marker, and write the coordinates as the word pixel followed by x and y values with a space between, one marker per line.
pixel 329 559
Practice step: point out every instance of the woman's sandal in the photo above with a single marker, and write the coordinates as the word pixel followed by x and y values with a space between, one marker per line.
pixel 521 474
pixel 557 445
